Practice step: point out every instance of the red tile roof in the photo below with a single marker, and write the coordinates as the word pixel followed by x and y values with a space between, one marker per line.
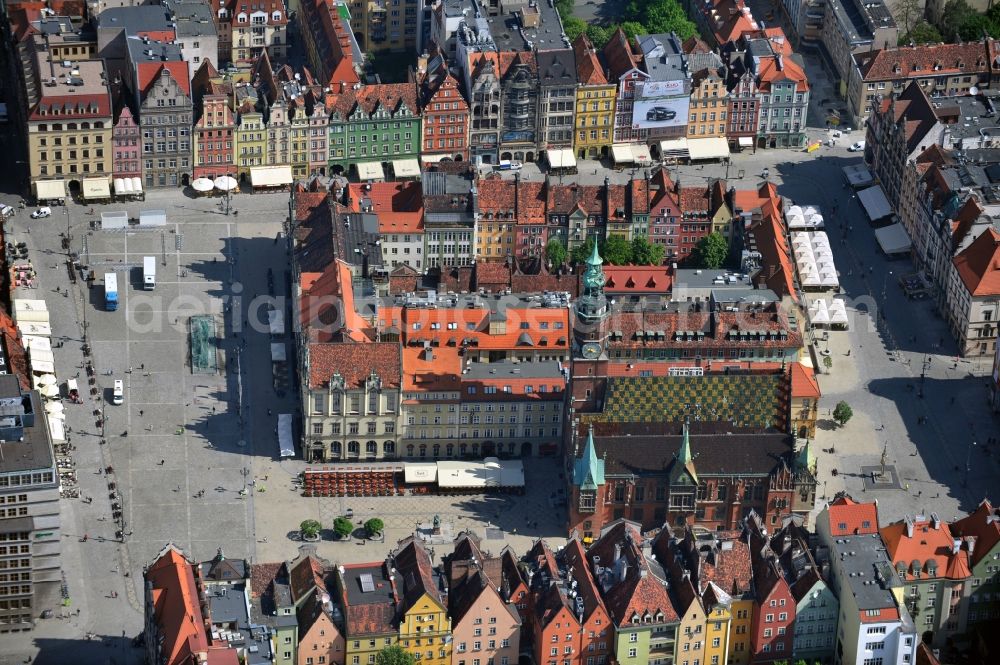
pixel 619 55
pixel 850 518
pixel 496 196
pixel 176 607
pixel 804 384
pixel 924 60
pixel 355 362
pixel 982 524
pixel 978 264
pixel 928 543
pixel 781 69
pixel 369 97
pixel 492 275
pixel 531 198
pixel 588 66
pixel 637 280
pixel 149 73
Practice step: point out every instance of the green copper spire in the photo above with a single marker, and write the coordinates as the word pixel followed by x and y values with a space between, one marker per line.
pixel 806 459
pixel 684 458
pixel 595 258
pixel 588 472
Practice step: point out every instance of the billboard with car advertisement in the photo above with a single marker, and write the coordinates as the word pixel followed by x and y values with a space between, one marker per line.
pixel 660 104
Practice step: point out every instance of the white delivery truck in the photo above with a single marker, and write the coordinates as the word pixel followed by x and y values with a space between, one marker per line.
pixel 149 273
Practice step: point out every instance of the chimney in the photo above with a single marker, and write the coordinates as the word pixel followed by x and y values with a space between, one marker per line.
pixel 956 545
pixel 909 526
pixel 935 521
pixel 970 545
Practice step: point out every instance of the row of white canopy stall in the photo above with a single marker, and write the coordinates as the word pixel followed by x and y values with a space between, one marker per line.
pixel 32 319
pixel 814 259
pixel 128 186
pixel 833 314
pixel 804 218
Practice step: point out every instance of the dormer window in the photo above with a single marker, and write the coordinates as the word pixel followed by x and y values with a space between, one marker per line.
pixel 635 618
pixel 961 65
pixel 276 17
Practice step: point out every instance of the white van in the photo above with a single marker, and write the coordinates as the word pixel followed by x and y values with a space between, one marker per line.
pixel 148 273
pixel 118 396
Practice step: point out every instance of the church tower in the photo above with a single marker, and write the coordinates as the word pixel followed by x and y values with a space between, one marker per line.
pixel 592 310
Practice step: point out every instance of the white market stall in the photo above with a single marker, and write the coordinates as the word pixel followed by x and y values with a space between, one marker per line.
pixel 875 203
pixel 716 147
pixel 370 171
pixel 270 177
pixel 893 239
pixel 406 168
pixel 420 472
pixel 116 219
pixel 814 259
pixel 561 158
pixel 148 218
pixel 96 189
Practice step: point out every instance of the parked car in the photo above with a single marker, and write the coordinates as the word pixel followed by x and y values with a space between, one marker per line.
pixel 857 147
pixel 509 165
pixel 42 212
pixel 118 393
pixel 660 113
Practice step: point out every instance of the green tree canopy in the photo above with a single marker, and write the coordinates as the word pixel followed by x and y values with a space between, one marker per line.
pixel 374 526
pixel 645 253
pixel 599 35
pixel 921 33
pixel 310 528
pixel 710 252
pixel 842 412
pixel 343 527
pixel 633 29
pixel 581 252
pixel 555 252
pixel 394 655
pixel 574 26
pixel 617 251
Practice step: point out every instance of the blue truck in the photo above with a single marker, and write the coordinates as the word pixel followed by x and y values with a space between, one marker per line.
pixel 110 291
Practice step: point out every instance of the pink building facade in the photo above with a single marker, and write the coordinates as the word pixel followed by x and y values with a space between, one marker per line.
pixel 125 146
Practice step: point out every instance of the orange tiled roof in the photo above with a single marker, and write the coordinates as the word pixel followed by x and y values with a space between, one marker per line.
pixel 978 264
pixel 850 518
pixel 928 543
pixel 354 362
pixel 804 384
pixel 983 524
pixel 781 69
pixel 176 607
pixel 588 66
pixel 637 279
pixel 924 60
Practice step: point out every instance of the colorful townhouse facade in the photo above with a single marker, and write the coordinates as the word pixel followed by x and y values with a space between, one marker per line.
pixel 374 124
pixel 595 103
pixel 215 140
pixel 126 145
pixel 445 117
pixel 424 622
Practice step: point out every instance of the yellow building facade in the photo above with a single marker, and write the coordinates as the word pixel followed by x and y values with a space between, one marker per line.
pixel 707 110
pixel 717 624
pixel 425 631
pixel 741 619
pixel 595 117
pixel 691 634
pixel 494 240
pixel 251 143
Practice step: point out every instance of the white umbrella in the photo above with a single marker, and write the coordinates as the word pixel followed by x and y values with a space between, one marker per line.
pixel 54 407
pixel 226 183
pixel 202 184
pixel 51 390
pixel 46 380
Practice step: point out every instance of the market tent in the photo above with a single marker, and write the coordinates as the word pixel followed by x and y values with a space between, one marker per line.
pixel 57 428
pixel 858 175
pixel 276 321
pixel 818 312
pixel 286 441
pixel 461 475
pixel 419 472
pixel 47 190
pixel 640 154
pixel 30 310
pixel 370 171
pixel 123 186
pixel 430 159
pixel 153 218
pixel 622 153
pixel 278 352
pixel 42 366
pixel 406 168
pixel 137 185
pixel 875 203
pixel 561 158
pixel 202 185
pixel 746 142
pixel 893 239
pixel 96 188
pixel 711 148
pixel 117 219
pixel 674 149
pixel 838 312
pixel 271 176
pixel 226 183
pixel 35 328
pixel 33 342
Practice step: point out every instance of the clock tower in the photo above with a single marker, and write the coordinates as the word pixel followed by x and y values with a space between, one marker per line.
pixel 591 310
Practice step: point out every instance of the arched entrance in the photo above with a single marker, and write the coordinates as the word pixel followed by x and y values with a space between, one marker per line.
pixel 185 180
pixel 526 449
pixel 458 158
pixel 505 155
pixel 489 449
pixel 529 156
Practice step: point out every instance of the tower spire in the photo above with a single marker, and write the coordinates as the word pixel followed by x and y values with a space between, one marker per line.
pixel 588 473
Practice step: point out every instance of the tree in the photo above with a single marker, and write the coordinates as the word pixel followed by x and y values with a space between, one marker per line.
pixel 599 35
pixel 842 412
pixel 374 526
pixel 343 527
pixel 645 253
pixel 394 655
pixel 633 29
pixel 908 13
pixel 310 528
pixel 921 33
pixel 617 251
pixel 710 252
pixel 956 13
pixel 574 26
pixel 555 252
pixel 828 363
pixel 581 253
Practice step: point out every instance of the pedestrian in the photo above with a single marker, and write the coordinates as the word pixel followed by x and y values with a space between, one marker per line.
pixel 129 369
pixel 162 462
pixel 140 413
pixel 142 366
pixel 920 493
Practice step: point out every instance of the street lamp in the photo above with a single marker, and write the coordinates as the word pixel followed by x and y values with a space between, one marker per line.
pixel 968 460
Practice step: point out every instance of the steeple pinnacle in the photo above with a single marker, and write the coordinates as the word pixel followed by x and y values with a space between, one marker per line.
pixel 588 472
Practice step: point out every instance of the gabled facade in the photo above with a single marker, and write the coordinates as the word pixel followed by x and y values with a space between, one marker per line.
pixel 246 31
pixel 623 65
pixel 557 83
pixel 495 228
pixel 424 624
pixel 783 97
pixel 251 131
pixel 126 146
pixel 709 109
pixel 980 531
pixel 375 123
pixel 445 117
pixel 973 291
pixel 744 107
pixel 165 117
pixel 215 136
pixel 485 108
pixel 774 607
pixel 595 103
pixel 519 124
